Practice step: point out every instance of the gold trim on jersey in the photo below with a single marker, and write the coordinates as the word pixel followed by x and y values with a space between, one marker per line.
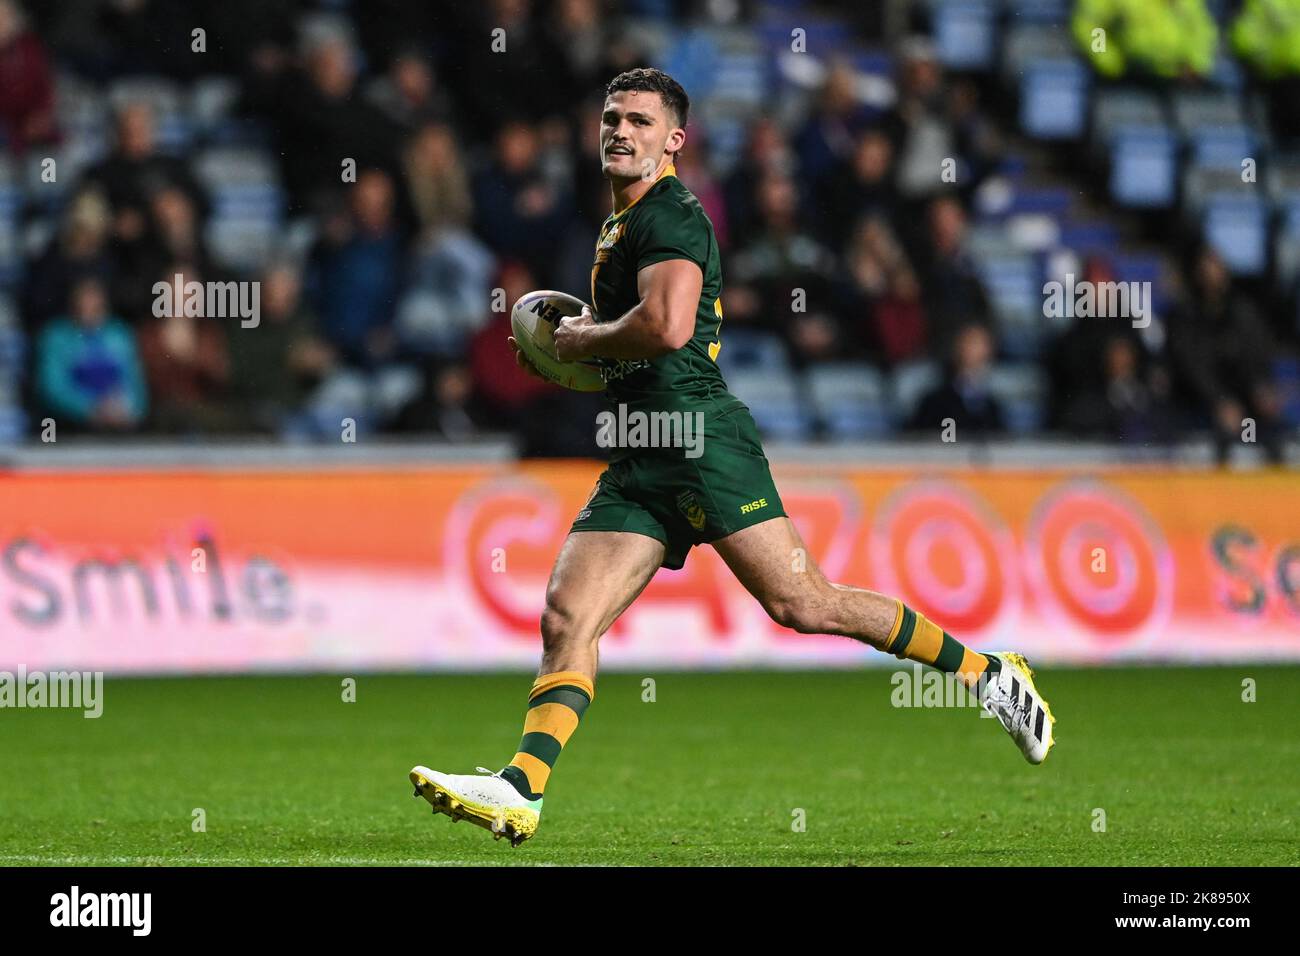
pixel 604 244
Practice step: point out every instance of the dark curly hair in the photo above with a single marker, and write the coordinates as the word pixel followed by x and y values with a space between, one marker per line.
pixel 650 80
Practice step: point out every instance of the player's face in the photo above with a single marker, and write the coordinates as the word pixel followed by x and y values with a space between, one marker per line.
pixel 636 133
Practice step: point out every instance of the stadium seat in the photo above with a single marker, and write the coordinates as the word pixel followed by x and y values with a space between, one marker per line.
pixel 908 384
pixel 1029 42
pixel 11 207
pixel 220 166
pixel 752 350
pixel 1021 389
pixel 1015 288
pixel 965 33
pixel 1237 228
pixel 1199 184
pixel 774 400
pixel 1224 147
pixel 1119 107
pixel 1282 179
pixel 850 398
pixel 1144 167
pixel 1038 11
pixel 1195 109
pixel 1054 99
pixel 242 244
pixel 211 101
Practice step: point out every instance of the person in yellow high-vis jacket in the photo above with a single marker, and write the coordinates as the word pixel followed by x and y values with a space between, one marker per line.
pixel 1167 38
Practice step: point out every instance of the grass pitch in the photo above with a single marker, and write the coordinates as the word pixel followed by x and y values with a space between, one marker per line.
pixel 713 772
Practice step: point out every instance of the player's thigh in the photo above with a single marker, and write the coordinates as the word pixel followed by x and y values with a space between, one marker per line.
pixel 772 562
pixel 596 576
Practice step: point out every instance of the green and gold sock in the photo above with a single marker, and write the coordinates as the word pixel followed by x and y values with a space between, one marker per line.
pixel 555 705
pixel 915 637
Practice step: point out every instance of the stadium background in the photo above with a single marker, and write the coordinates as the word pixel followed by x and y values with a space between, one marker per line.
pixel 204 507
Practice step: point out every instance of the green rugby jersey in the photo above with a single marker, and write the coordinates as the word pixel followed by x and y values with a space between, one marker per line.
pixel 665 222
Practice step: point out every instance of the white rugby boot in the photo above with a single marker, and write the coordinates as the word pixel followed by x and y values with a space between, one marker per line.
pixel 489 801
pixel 1012 698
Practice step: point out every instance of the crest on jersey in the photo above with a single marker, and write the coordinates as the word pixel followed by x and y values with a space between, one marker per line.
pixel 689 506
pixel 606 243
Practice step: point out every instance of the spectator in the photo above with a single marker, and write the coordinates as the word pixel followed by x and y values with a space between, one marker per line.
pixel 79 250
pixel 953 294
pixel 503 390
pixel 320 117
pixel 883 294
pixel 784 276
pixel 276 364
pixel 919 123
pixel 1223 352
pixel 519 212
pixel 489 84
pixel 965 396
pixel 1266 35
pixel 187 365
pixel 767 151
pixel 829 135
pixel 173 233
pixel 26 85
pixel 357 274
pixel 861 186
pixel 899 317
pixel 693 169
pixel 1168 38
pixel 87 368
pixel 408 94
pixel 135 171
pixel 436 180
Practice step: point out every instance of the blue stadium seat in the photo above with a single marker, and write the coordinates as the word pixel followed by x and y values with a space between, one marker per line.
pixel 1030 42
pixel 1237 228
pixel 1224 147
pixel 751 350
pixel 1196 109
pixel 965 33
pixel 1021 389
pixel 908 384
pixel 1118 107
pixel 775 401
pixel 1144 167
pixel 1054 99
pixel 11 246
pixel 850 397
pixel 1039 11
pixel 1015 288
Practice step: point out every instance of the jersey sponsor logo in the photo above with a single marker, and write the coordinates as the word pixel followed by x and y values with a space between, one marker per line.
pixel 612 371
pixel 753 506
pixel 689 505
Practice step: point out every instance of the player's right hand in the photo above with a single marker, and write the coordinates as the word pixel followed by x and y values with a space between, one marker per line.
pixel 522 360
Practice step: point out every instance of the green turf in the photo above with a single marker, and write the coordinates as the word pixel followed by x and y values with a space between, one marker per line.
pixel 709 773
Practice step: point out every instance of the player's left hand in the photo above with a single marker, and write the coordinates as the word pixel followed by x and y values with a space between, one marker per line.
pixel 571 334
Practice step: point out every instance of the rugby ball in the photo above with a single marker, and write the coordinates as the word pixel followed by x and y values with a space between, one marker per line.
pixel 533 319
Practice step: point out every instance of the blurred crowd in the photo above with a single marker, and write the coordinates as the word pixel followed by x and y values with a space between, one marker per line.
pixel 476 180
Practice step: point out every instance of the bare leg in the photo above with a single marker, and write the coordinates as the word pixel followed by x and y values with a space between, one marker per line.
pixel 596 576
pixel 764 558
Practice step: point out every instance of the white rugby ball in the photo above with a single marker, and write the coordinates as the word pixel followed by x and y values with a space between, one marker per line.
pixel 533 319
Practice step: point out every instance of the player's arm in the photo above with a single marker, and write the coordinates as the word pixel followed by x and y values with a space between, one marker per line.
pixel 662 322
